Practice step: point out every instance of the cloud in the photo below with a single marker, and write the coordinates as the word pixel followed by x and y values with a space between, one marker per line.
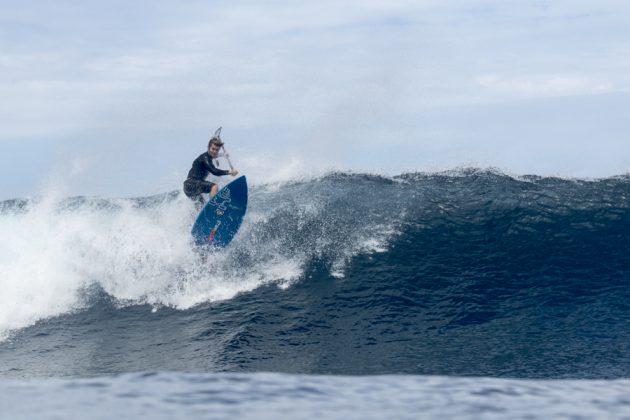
pixel 314 76
pixel 542 85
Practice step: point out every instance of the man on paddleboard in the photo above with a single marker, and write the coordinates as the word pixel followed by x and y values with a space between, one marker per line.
pixel 196 184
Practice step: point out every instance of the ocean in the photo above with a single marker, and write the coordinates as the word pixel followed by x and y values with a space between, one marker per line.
pixel 466 294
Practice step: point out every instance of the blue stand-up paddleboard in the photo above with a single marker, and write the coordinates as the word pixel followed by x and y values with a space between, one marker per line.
pixel 219 220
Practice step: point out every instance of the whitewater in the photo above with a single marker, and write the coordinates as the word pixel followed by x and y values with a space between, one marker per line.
pixel 56 251
pixel 399 293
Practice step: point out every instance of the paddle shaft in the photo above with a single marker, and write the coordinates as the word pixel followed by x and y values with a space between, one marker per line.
pixel 227 157
pixel 217 134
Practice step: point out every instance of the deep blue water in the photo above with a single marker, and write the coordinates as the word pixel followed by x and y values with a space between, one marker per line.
pixel 468 273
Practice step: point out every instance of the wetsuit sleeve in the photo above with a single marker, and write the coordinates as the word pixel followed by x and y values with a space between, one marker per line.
pixel 214 170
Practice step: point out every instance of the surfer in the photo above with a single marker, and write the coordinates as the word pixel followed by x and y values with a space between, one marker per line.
pixel 196 184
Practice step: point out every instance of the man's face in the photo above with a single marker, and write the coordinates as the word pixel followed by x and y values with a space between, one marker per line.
pixel 213 150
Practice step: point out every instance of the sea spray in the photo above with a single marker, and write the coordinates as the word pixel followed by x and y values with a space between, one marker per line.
pixel 56 251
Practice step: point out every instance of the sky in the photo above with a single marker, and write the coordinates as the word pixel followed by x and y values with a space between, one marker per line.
pixel 117 98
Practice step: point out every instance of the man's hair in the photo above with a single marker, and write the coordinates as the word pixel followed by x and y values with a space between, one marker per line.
pixel 215 140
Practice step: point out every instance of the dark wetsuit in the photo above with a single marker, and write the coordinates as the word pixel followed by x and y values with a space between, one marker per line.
pixel 196 183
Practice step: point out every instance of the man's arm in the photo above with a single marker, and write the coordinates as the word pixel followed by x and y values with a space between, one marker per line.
pixel 213 169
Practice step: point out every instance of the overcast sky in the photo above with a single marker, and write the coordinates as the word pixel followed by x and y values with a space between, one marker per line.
pixel 117 98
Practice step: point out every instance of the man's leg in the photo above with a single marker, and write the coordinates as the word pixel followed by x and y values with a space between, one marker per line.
pixel 199 202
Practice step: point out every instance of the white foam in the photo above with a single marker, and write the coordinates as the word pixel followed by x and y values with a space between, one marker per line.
pixel 56 253
pixel 37 272
pixel 50 256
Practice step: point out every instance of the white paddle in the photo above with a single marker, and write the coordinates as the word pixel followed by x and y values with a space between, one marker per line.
pixel 217 134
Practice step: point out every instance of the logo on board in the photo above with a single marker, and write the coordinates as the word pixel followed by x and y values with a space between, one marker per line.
pixel 221 200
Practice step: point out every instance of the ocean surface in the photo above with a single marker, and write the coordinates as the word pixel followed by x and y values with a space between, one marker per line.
pixel 468 293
